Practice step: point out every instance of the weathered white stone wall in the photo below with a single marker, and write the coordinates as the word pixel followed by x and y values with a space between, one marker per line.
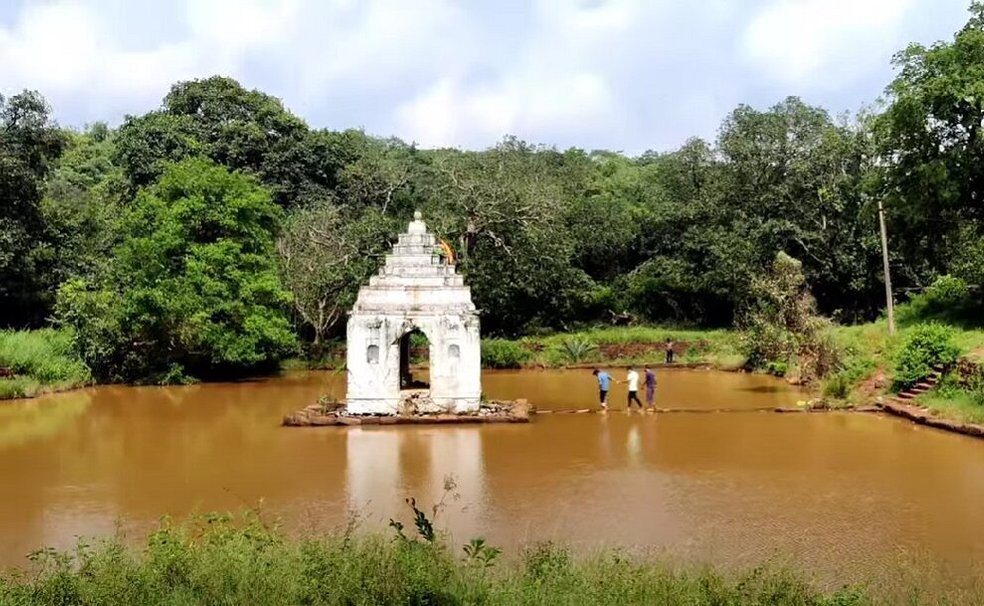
pixel 414 290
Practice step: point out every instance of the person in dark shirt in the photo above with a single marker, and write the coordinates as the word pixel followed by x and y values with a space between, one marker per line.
pixel 650 379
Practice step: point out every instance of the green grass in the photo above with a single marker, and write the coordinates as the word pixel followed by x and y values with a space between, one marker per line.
pixel 628 345
pixel 954 404
pixel 41 360
pixel 718 348
pixel 868 348
pixel 218 560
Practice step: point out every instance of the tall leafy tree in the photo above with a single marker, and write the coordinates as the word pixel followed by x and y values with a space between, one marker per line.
pixel 238 128
pixel 696 264
pixel 505 211
pixel 79 211
pixel 30 142
pixel 793 181
pixel 931 141
pixel 193 287
pixel 326 254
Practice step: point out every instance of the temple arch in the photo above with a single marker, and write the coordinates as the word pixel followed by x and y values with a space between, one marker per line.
pixel 416 291
pixel 414 349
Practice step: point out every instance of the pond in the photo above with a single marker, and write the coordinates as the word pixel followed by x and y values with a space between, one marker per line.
pixel 847 494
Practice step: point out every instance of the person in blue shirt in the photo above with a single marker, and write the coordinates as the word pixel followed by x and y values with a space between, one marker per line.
pixel 604 383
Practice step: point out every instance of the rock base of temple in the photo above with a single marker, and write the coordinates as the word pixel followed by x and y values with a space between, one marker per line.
pixel 411 402
pixel 320 415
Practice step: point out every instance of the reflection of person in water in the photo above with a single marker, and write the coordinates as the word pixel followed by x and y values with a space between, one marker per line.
pixel 633 445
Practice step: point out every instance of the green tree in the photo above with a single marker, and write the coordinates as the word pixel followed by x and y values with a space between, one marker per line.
pixel 781 327
pixel 193 287
pixel 238 128
pixel 78 211
pixel 931 142
pixel 325 256
pixel 505 209
pixel 381 176
pixel 30 143
pixel 697 260
pixel 793 180
pixel 606 221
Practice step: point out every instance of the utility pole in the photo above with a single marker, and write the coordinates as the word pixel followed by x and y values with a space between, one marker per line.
pixel 889 305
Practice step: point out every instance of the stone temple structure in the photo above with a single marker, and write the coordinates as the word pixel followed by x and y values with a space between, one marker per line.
pixel 416 290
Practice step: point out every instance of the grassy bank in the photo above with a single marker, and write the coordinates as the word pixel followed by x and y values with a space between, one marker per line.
pixel 215 560
pixel 615 346
pixel 603 345
pixel 870 357
pixel 957 405
pixel 38 361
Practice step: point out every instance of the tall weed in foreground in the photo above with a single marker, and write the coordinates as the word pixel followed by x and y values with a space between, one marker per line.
pixel 224 560
pixel 837 386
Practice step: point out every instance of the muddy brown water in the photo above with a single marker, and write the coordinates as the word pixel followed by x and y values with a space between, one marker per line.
pixel 846 495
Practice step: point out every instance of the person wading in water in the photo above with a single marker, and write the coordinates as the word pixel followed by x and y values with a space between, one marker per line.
pixel 650 380
pixel 632 378
pixel 604 384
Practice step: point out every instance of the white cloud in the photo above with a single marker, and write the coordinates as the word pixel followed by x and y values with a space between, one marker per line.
pixel 624 74
pixel 555 82
pixel 68 52
pixel 805 41
pixel 75 55
pixel 450 113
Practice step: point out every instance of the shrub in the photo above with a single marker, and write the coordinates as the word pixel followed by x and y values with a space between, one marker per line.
pixel 503 353
pixel 782 327
pixel 948 298
pixel 969 377
pixel 45 354
pixel 576 349
pixel 819 355
pixel 39 359
pixel 838 386
pixel 927 345
pixel 976 390
pixel 18 387
pixel 777 368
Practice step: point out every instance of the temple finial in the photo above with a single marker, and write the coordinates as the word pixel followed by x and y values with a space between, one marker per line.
pixel 417 225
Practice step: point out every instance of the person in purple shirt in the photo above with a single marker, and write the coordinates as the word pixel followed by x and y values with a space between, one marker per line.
pixel 650 379
pixel 604 384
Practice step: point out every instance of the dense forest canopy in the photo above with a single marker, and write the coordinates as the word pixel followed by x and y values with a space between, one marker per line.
pixel 220 230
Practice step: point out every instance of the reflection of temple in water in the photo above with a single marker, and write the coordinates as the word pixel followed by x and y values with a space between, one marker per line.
pixel 387 466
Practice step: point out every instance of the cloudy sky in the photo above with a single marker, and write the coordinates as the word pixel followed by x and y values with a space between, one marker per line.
pixel 627 75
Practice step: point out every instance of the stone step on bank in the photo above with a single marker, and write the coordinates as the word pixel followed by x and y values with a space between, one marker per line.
pixel 904 405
